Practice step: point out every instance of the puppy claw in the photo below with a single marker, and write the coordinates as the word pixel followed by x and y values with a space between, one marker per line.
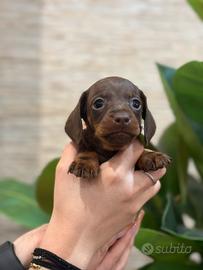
pixel 152 161
pixel 83 169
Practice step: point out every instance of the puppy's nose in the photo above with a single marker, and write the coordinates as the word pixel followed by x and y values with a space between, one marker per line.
pixel 122 119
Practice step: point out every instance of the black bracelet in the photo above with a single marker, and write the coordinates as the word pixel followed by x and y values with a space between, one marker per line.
pixel 45 258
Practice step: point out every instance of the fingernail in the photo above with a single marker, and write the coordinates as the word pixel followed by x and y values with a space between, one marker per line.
pixel 133 232
pixel 141 214
pixel 133 229
pixel 124 231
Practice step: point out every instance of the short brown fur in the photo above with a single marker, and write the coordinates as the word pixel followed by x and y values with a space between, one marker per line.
pixel 112 109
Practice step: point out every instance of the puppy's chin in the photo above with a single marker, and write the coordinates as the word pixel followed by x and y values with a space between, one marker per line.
pixel 116 141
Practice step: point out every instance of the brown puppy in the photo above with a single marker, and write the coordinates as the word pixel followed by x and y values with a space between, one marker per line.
pixel 112 110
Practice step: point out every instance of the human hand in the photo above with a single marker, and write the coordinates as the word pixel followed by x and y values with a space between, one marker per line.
pixel 25 244
pixel 114 255
pixel 87 214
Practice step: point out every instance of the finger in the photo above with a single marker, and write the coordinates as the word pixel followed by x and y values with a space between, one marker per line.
pixel 122 233
pixel 139 219
pixel 128 157
pixel 122 262
pixel 146 195
pixel 68 155
pixel 118 235
pixel 116 251
pixel 138 222
pixel 156 175
pixel 143 182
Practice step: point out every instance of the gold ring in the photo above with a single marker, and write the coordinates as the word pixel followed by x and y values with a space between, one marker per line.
pixel 150 177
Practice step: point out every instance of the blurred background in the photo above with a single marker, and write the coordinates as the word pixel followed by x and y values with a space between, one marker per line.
pixel 51 51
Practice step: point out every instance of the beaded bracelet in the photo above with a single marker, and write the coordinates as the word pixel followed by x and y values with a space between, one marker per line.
pixel 47 259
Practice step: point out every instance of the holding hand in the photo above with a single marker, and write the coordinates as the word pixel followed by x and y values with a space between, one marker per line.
pixel 112 256
pixel 87 214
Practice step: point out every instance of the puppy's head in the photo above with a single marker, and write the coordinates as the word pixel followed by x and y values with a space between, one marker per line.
pixel 113 109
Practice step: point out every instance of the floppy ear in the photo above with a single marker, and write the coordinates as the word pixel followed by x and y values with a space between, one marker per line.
pixel 73 125
pixel 149 123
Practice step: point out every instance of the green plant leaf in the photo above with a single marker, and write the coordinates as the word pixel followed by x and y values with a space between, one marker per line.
pixel 175 85
pixel 195 198
pixel 166 248
pixel 45 186
pixel 172 223
pixel 188 85
pixel 153 212
pixel 17 201
pixel 197 5
pixel 175 179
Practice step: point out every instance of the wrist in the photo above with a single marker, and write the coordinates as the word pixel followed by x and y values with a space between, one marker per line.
pixel 68 242
pixel 25 244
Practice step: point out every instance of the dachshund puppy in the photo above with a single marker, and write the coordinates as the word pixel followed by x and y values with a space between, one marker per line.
pixel 112 110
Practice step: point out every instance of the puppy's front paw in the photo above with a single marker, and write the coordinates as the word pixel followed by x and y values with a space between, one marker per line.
pixel 152 161
pixel 84 168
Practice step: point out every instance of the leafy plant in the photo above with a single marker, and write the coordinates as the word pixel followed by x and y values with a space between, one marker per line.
pixel 181 193
pixel 45 186
pixel 17 201
pixel 197 5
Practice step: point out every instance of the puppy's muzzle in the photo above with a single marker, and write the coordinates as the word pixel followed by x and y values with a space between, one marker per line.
pixel 121 119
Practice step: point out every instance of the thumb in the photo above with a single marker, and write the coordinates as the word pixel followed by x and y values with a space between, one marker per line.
pixel 68 155
pixel 127 158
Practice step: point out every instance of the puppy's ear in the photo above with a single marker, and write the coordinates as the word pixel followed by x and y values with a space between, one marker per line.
pixel 73 125
pixel 149 123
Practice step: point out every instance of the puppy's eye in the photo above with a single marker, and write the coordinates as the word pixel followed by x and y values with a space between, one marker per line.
pixel 98 104
pixel 135 103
